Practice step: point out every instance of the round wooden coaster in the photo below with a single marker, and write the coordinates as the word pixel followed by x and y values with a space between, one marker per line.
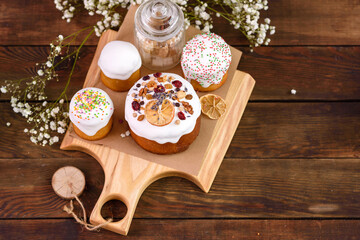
pixel 68 182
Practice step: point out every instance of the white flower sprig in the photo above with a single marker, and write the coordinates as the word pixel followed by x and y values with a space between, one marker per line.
pixel 47 119
pixel 104 8
pixel 244 15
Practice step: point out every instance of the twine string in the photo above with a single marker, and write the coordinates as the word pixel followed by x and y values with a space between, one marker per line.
pixel 88 226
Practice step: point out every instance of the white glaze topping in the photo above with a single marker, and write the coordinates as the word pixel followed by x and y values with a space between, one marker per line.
pixel 173 131
pixel 205 59
pixel 119 60
pixel 90 110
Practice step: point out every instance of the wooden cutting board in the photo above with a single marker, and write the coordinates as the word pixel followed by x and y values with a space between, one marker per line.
pixel 128 168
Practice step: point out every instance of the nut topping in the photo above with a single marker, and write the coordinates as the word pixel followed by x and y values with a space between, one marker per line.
pixel 181 94
pixel 187 107
pixel 151 85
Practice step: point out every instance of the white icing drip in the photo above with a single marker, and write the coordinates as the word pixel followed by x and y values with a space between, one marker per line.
pixel 216 76
pixel 119 60
pixel 92 126
pixel 168 133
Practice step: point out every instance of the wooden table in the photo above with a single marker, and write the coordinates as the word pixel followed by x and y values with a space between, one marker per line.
pixel 292 170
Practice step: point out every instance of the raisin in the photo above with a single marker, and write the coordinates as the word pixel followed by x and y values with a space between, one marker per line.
pixel 147 77
pixel 135 105
pixel 159 88
pixel 158 74
pixel 177 83
pixel 181 116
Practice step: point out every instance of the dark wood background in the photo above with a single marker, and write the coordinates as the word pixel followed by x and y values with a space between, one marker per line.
pixel 292 170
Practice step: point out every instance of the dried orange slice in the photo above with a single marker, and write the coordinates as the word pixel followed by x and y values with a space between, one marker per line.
pixel 159 115
pixel 213 106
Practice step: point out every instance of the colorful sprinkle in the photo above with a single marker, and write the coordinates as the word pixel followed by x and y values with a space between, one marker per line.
pixel 90 104
pixel 206 58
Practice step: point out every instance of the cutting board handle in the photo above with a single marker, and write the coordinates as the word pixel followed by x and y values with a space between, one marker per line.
pixel 125 180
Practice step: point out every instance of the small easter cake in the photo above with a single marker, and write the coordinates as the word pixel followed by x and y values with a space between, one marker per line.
pixel 163 113
pixel 120 64
pixel 205 61
pixel 91 111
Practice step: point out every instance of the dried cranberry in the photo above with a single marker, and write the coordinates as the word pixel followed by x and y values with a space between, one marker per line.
pixel 181 116
pixel 147 77
pixel 158 74
pixel 135 105
pixel 177 83
pixel 159 88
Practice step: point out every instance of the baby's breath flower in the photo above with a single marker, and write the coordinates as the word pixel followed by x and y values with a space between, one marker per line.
pixel 40 72
pixel 60 130
pixel 52 125
pixel 57 49
pixel 38 110
pixel 62 123
pixel 55 139
pixel 33 139
pixel 3 89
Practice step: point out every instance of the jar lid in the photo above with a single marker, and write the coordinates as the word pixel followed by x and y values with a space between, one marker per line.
pixel 159 19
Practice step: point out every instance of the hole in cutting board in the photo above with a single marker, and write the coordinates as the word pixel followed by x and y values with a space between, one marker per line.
pixel 114 209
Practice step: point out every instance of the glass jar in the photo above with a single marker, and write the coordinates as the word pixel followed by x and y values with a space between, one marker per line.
pixel 159 34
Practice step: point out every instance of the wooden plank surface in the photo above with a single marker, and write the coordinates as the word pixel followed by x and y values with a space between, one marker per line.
pixel 184 229
pixel 317 73
pixel 298 22
pixel 243 188
pixel 297 130
pixel 267 130
pixel 293 156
